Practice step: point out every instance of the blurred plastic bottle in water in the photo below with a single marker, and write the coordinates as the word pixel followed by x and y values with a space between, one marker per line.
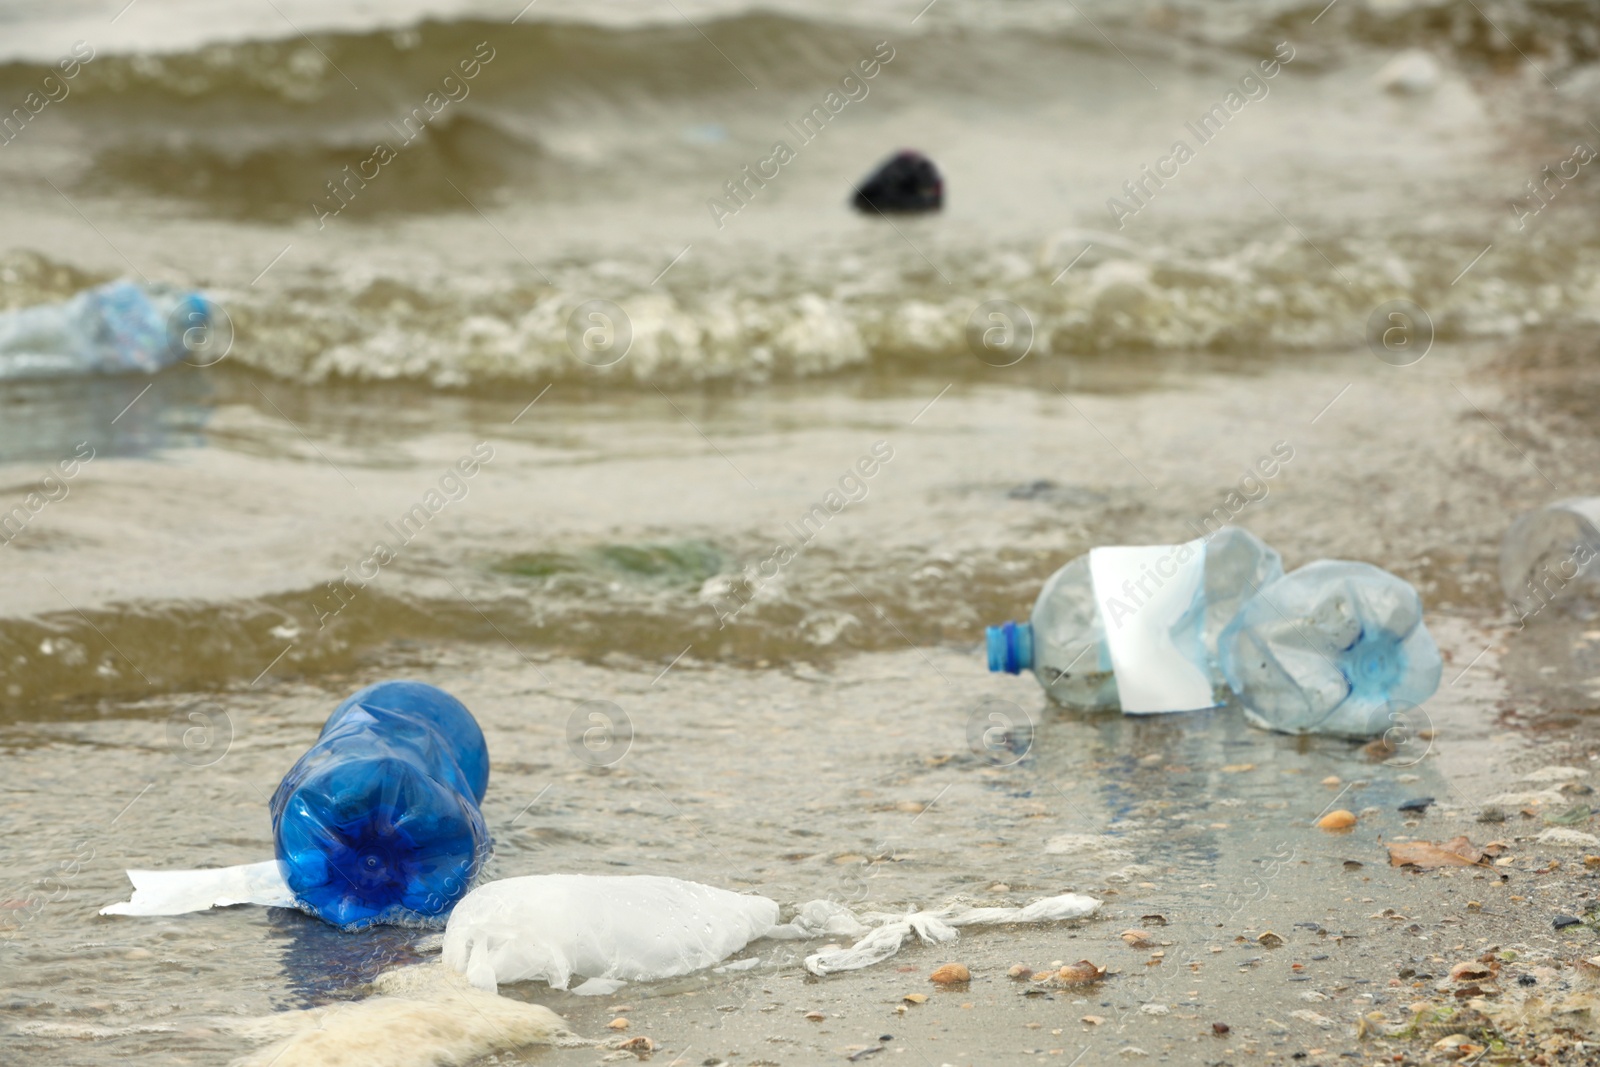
pixel 1064 642
pixel 1547 550
pixel 111 329
pixel 379 821
pixel 1333 648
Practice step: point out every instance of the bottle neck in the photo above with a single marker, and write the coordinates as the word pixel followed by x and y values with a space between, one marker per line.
pixel 1011 647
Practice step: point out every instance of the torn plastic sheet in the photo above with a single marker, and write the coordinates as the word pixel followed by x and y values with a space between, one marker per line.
pixel 180 892
pixel 824 918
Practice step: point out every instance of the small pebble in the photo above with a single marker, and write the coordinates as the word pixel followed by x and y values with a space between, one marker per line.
pixel 1417 804
pixel 1338 819
pixel 1561 922
pixel 1220 1028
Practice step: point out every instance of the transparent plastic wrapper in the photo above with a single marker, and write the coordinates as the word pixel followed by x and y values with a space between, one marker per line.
pixel 1548 557
pixel 610 930
pixel 379 822
pixel 881 934
pixel 607 929
pixel 1064 642
pixel 113 328
pixel 1334 648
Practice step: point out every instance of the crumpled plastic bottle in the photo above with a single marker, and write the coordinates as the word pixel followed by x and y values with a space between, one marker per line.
pixel 113 328
pixel 1064 643
pixel 1548 554
pixel 379 822
pixel 1335 647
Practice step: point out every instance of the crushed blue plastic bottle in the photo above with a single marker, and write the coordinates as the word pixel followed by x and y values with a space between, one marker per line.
pixel 1335 647
pixel 379 822
pixel 113 328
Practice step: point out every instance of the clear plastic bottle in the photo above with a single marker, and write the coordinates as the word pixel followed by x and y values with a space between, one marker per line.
pixel 379 821
pixel 110 329
pixel 1548 556
pixel 1332 648
pixel 1064 643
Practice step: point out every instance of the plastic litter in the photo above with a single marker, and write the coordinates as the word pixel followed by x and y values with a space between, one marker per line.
pixel 1333 648
pixel 607 929
pixel 886 932
pixel 110 329
pixel 1065 642
pixel 610 930
pixel 1547 554
pixel 180 892
pixel 379 821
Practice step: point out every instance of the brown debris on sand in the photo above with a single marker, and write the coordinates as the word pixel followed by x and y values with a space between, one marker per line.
pixel 1457 852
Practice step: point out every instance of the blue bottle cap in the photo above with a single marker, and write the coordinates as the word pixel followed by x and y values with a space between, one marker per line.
pixel 1010 647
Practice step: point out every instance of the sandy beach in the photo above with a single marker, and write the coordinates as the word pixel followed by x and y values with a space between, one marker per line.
pixel 765 538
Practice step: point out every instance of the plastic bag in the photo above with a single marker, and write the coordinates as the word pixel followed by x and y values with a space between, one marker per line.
pixel 613 929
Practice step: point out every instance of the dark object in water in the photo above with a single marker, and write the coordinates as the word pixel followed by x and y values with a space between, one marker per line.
pixel 907 181
pixel 1417 804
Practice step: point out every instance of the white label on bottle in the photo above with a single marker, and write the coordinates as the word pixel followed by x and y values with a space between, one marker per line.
pixel 1141 591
